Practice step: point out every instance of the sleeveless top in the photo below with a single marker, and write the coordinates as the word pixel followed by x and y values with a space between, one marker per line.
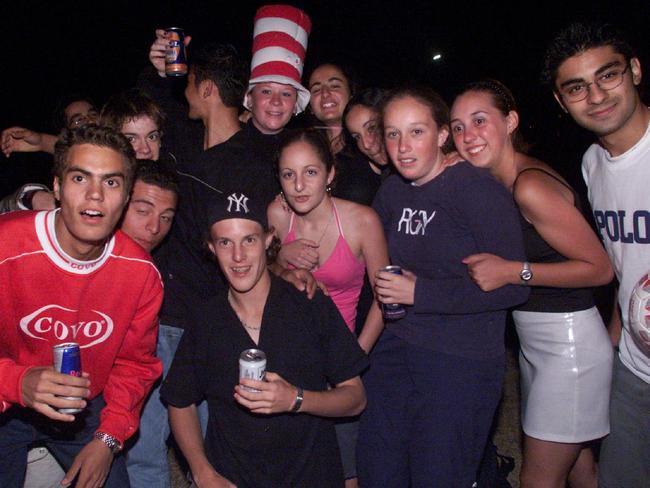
pixel 341 273
pixel 546 298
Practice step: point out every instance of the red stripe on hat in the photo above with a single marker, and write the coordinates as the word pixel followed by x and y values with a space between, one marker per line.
pixel 277 68
pixel 285 12
pixel 278 39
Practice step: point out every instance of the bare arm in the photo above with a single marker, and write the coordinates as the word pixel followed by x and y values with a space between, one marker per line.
pixel 19 139
pixel 187 433
pixel 546 204
pixel 375 254
pixel 276 395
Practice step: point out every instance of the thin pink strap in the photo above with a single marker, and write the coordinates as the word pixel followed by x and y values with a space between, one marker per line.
pixel 338 222
pixel 291 222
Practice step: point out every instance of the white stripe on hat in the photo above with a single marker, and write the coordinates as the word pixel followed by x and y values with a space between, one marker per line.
pixel 275 53
pixel 278 24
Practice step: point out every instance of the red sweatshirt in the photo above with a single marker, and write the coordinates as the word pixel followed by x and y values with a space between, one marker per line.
pixel 109 306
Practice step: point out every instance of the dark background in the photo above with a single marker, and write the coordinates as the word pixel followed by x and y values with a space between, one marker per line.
pixel 51 48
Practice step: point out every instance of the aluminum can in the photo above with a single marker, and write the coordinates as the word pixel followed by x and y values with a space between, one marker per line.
pixel 175 59
pixel 252 364
pixel 67 360
pixel 393 311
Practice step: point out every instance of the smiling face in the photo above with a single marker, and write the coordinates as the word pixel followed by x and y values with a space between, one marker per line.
pixel 92 192
pixel 240 248
pixel 480 130
pixel 150 214
pixel 304 176
pixel 413 139
pixel 272 105
pixel 363 125
pixel 330 93
pixel 603 112
pixel 144 135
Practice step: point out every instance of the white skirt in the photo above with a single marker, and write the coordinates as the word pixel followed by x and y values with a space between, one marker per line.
pixel 566 370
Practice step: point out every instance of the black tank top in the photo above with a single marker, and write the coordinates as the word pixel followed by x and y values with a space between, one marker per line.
pixel 546 298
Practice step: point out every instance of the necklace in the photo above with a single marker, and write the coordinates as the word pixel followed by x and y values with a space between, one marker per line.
pixel 249 327
pixel 326 227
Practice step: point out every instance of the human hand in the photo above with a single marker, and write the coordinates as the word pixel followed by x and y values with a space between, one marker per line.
pixel 395 288
pixel 490 272
pixel 42 388
pixel 275 395
pixel 43 200
pixel 210 479
pixel 303 280
pixel 19 139
pixel 158 50
pixel 91 466
pixel 301 253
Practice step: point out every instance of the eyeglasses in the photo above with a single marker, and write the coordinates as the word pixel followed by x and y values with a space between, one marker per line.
pixel 81 120
pixel 606 81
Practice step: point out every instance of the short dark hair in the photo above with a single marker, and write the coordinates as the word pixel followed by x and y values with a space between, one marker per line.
pixel 429 97
pixel 315 138
pixel 59 121
pixel 222 64
pixel 370 97
pixel 128 105
pixel 158 173
pixel 96 136
pixel 579 37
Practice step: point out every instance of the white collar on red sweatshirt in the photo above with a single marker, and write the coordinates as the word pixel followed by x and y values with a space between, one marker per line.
pixel 46 233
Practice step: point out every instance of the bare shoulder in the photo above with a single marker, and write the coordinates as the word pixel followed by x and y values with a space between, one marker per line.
pixel 279 216
pixel 356 214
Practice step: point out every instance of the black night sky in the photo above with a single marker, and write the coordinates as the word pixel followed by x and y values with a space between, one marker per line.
pixel 51 48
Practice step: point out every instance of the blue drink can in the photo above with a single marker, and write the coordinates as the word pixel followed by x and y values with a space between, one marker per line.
pixel 175 58
pixel 393 311
pixel 67 360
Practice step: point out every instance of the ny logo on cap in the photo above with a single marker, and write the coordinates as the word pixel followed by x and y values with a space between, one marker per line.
pixel 239 202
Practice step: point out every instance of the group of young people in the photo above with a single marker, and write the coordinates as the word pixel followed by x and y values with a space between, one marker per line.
pixel 301 223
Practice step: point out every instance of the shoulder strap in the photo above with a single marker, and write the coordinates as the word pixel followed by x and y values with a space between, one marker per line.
pixel 542 171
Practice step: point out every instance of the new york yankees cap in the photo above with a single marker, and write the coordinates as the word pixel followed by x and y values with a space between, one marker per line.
pixel 235 205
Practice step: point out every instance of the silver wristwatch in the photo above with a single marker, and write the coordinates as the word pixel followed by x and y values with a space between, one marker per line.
pixel 111 442
pixel 526 274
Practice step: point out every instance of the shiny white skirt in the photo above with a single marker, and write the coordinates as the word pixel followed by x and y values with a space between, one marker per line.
pixel 566 370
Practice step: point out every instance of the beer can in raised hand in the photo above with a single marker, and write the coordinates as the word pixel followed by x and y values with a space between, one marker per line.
pixel 67 360
pixel 175 59
pixel 252 365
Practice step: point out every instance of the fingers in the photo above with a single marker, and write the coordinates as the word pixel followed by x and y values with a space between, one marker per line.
pixel 474 258
pixel 50 412
pixel 72 472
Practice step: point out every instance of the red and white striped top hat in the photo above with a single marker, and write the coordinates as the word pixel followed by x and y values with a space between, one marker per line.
pixel 279 45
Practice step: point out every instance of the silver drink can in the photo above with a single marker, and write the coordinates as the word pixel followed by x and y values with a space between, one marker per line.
pixel 252 364
pixel 393 311
pixel 67 360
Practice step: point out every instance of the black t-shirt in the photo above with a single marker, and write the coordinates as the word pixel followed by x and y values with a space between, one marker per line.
pixel 308 344
pixel 355 180
pixel 243 164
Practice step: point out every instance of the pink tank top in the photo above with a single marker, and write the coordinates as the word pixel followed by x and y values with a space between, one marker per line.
pixel 342 274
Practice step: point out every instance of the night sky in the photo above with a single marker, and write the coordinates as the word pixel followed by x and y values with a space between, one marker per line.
pixel 51 48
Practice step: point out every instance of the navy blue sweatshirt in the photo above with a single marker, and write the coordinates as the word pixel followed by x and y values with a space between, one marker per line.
pixel 430 229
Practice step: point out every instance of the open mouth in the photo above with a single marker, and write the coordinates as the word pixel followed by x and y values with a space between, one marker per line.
pixel 476 149
pixel 240 271
pixel 91 214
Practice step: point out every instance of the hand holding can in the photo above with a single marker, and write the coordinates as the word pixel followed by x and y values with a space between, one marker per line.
pixel 252 364
pixel 175 59
pixel 392 311
pixel 67 360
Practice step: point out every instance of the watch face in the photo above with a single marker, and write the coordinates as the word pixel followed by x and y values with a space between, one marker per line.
pixel 526 274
